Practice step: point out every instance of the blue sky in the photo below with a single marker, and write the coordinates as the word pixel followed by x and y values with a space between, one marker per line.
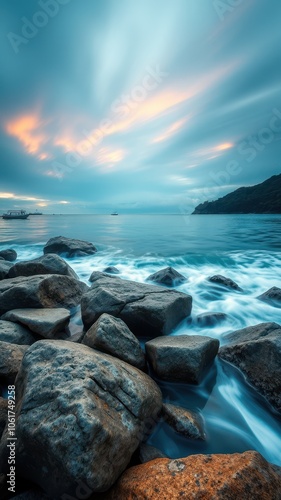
pixel 151 106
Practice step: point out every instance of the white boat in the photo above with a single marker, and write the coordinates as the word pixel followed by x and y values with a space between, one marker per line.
pixel 15 214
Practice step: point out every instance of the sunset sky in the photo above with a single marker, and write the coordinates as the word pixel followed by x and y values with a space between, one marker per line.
pixel 150 106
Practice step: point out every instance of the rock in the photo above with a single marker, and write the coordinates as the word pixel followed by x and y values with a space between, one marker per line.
pixel 3 414
pixel 32 494
pixel 49 290
pixel 111 335
pixel 45 322
pixel 10 360
pixel 4 269
pixel 246 476
pixel 186 422
pixel 211 318
pixel 167 277
pixel 183 357
pixel 16 334
pixel 93 411
pixel 272 296
pixel 148 453
pixel 146 309
pixel 47 264
pixel 256 351
pixel 69 247
pixel 218 279
pixel 111 270
pixel 10 254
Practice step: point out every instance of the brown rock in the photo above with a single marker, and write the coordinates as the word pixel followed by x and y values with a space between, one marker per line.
pixel 246 476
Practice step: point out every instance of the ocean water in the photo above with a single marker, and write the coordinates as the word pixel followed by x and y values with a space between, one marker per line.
pixel 245 248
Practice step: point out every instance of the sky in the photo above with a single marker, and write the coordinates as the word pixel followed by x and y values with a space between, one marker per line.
pixel 149 106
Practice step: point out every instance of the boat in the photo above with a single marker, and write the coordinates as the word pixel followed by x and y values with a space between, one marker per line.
pixel 35 213
pixel 15 214
pixel 114 213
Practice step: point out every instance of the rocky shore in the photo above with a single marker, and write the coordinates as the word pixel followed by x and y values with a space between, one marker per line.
pixel 87 403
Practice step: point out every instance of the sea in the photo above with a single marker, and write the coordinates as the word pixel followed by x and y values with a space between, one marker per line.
pixel 245 248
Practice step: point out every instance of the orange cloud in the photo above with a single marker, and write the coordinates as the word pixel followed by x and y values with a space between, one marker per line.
pixel 170 131
pixel 26 129
pixel 109 157
pixel 12 196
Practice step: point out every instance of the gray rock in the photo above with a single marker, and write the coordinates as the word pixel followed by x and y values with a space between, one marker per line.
pixel 16 334
pixel 69 247
pixel 111 335
pixel 4 269
pixel 10 254
pixel 10 360
pixel 146 309
pixel 32 494
pixel 47 264
pixel 183 357
pixel 49 290
pixel 111 270
pixel 167 277
pixel 186 422
pixel 218 279
pixel 92 410
pixel 45 322
pixel 272 296
pixel 3 414
pixel 211 318
pixel 256 351
pixel 148 453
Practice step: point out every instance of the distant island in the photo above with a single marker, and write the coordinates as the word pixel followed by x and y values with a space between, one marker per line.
pixel 264 198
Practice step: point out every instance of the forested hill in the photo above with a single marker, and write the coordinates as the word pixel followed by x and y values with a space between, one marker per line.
pixel 264 198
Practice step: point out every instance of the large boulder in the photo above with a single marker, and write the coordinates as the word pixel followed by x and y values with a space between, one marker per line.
pixel 211 318
pixel 111 270
pixel 256 350
pixel 47 264
pixel 167 277
pixel 225 282
pixel 272 296
pixel 10 360
pixel 69 247
pixel 4 269
pixel 182 357
pixel 40 291
pixel 45 322
pixel 244 476
pixel 80 415
pixel 9 254
pixel 16 334
pixel 188 423
pixel 146 309
pixel 111 335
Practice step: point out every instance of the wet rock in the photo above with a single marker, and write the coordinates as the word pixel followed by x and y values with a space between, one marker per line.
pixel 93 410
pixel 183 357
pixel 10 360
pixel 69 247
pixel 47 264
pixel 4 269
pixel 186 422
pixel 112 336
pixel 167 277
pixel 111 270
pixel 146 309
pixel 256 351
pixel 245 476
pixel 16 334
pixel 3 414
pixel 40 291
pixel 10 254
pixel 211 318
pixel 218 279
pixel 45 322
pixel 272 296
pixel 148 453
